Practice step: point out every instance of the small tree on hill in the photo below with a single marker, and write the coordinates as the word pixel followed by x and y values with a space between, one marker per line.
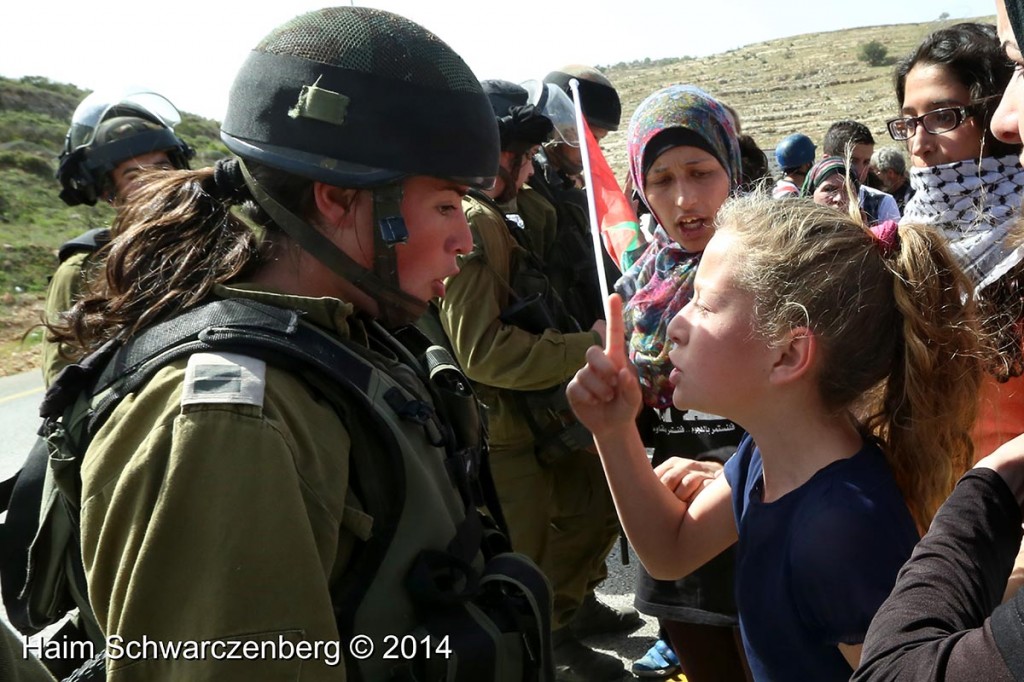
pixel 873 53
pixel 944 16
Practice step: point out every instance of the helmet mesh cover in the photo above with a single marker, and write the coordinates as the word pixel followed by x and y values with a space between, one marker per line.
pixel 375 42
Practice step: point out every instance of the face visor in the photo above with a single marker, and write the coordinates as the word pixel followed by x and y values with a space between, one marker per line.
pixel 99 106
pixel 552 102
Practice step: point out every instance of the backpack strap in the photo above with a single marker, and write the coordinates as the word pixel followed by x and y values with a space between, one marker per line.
pixel 89 242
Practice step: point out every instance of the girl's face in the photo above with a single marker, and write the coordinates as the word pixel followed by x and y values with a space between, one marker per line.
pixel 929 87
pixel 716 352
pixel 1008 122
pixel 833 192
pixel 685 187
pixel 438 232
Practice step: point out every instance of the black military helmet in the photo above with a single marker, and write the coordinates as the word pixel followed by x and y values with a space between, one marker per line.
pixel 108 129
pixel 359 97
pixel 520 124
pixel 598 97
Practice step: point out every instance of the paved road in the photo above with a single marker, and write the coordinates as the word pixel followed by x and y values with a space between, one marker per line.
pixel 19 418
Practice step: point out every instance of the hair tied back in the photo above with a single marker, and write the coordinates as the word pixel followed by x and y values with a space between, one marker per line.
pixel 886 234
pixel 229 182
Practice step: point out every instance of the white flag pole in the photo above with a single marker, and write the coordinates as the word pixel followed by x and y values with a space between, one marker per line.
pixel 588 179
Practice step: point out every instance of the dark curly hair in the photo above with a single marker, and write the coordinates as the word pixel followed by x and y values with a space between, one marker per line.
pixel 972 54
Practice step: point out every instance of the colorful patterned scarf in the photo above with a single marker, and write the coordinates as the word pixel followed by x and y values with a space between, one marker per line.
pixel 821 172
pixel 660 283
pixel 976 207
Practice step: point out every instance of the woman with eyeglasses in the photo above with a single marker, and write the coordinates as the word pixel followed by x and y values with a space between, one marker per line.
pixel 969 184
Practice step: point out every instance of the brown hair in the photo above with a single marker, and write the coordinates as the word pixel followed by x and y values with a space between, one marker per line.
pixel 896 326
pixel 177 238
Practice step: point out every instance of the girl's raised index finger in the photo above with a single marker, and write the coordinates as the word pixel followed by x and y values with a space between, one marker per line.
pixel 615 335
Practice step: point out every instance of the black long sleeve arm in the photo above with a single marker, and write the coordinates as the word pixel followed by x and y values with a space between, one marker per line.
pixel 943 621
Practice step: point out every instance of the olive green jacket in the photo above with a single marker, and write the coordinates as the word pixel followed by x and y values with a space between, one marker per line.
pixel 501 358
pixel 66 285
pixel 222 521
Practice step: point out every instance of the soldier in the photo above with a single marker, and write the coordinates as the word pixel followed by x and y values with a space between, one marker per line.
pixel 518 344
pixel 569 262
pixel 286 472
pixel 112 140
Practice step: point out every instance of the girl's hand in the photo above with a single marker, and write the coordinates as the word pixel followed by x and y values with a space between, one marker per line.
pixel 605 394
pixel 687 477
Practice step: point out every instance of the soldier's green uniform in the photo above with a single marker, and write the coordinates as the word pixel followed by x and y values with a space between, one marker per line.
pixel 66 285
pixel 218 512
pixel 540 220
pixel 501 359
pixel 15 666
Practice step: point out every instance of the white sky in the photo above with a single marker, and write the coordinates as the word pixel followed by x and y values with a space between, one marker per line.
pixel 189 50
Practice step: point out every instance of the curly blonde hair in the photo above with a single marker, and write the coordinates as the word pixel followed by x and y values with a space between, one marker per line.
pixel 896 325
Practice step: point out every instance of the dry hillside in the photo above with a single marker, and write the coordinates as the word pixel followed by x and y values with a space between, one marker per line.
pixel 797 84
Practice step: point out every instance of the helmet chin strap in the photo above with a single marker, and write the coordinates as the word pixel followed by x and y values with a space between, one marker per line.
pixel 397 308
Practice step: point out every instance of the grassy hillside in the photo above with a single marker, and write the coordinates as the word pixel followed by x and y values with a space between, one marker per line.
pixel 798 84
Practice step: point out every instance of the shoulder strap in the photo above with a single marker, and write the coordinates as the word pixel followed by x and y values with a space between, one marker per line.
pixel 90 241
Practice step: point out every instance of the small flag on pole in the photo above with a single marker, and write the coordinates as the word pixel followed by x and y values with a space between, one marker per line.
pixel 620 229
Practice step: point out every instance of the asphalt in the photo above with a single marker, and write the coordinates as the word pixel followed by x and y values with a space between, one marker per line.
pixel 617 590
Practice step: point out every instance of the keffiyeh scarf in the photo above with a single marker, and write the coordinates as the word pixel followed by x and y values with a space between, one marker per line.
pixel 976 206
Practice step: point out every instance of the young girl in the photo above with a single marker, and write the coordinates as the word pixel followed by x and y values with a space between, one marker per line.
pixel 685 161
pixel 801 322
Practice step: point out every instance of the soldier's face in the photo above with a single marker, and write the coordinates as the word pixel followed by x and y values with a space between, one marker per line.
pixel 125 177
pixel 438 232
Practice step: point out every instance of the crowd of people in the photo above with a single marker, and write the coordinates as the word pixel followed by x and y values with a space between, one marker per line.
pixel 356 391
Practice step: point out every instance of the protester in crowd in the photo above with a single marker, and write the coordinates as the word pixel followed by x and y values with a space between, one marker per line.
pixel 795 156
pixel 684 159
pixel 318 490
pixel 801 318
pixel 113 139
pixel 943 621
pixel 968 184
pixel 890 166
pixel 829 183
pixel 853 141
pixel 755 175
pixel 519 345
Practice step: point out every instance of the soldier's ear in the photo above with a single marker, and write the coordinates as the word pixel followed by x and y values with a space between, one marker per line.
pixel 335 204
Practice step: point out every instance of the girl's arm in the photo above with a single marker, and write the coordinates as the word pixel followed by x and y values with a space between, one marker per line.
pixel 673 537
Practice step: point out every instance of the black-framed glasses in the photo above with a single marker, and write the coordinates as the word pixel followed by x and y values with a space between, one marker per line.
pixel 935 122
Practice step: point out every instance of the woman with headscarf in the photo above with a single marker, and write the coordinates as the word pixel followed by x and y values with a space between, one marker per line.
pixel 829 183
pixel 684 161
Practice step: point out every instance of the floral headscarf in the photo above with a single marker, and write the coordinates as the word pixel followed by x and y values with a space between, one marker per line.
pixel 660 283
pixel 682 106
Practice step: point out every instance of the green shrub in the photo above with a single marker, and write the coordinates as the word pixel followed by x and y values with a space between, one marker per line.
pixel 27 161
pixel 874 53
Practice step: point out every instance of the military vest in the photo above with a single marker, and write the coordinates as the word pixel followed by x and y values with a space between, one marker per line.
pixel 435 575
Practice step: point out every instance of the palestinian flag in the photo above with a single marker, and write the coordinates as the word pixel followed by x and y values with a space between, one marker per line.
pixel 620 229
